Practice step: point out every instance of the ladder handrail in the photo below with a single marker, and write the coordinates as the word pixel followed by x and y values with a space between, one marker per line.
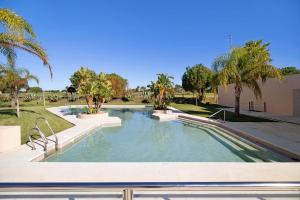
pixel 44 139
pixel 224 116
pixel 46 121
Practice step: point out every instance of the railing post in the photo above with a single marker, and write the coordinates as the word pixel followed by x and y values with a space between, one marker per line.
pixel 224 115
pixel 127 194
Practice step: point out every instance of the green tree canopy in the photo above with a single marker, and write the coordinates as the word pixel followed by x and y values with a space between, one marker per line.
pixel 95 88
pixel 71 89
pixel 82 80
pixel 197 79
pixel 35 89
pixel 289 70
pixel 100 90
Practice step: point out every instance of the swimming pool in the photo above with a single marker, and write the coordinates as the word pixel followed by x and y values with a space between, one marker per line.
pixel 143 139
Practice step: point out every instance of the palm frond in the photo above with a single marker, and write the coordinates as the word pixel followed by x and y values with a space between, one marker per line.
pixel 9 53
pixel 15 23
pixel 254 86
pixel 13 41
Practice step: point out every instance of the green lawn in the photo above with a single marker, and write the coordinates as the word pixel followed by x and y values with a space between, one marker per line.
pixel 206 110
pixel 27 120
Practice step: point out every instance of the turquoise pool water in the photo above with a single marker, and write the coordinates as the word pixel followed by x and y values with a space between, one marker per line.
pixel 143 139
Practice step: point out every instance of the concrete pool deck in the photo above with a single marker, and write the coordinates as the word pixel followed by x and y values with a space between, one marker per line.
pixel 17 165
pixel 281 134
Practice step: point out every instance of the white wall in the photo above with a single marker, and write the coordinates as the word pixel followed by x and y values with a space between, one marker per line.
pixel 278 95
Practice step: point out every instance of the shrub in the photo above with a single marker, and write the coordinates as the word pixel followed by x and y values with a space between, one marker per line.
pixel 28 98
pixel 128 97
pixel 4 98
pixel 146 101
pixel 52 98
pixel 72 98
pixel 92 110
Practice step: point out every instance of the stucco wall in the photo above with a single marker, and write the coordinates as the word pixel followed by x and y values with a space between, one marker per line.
pixel 296 103
pixel 279 96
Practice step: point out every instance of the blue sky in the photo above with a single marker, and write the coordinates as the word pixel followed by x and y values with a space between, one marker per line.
pixel 138 39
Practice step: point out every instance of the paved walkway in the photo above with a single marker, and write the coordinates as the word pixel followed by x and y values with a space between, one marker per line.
pixel 283 118
pixel 281 134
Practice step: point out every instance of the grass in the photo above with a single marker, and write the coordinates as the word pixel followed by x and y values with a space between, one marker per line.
pixel 27 120
pixel 63 102
pixel 206 110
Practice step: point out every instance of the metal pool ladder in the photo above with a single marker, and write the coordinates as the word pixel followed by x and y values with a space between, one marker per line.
pixel 219 111
pixel 43 140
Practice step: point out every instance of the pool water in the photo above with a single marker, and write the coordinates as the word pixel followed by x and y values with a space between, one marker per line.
pixel 143 139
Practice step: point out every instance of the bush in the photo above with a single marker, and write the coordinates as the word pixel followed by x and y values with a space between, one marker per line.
pixel 4 98
pixel 71 98
pixel 28 98
pixel 52 98
pixel 146 101
pixel 92 110
pixel 128 97
pixel 125 99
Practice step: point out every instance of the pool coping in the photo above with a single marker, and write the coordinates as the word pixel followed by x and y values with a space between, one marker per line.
pixel 22 157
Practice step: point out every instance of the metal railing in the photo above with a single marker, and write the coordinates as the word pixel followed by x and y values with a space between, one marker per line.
pixel 219 111
pixel 128 188
pixel 36 131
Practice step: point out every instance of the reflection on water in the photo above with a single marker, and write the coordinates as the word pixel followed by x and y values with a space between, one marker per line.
pixel 143 139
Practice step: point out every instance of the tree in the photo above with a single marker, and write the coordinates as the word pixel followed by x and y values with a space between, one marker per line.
pixel 197 79
pixel 71 89
pixel 289 70
pixel 15 79
pixel 35 89
pixel 119 84
pixel 18 34
pixel 244 67
pixel 179 89
pixel 82 81
pixel 100 90
pixel 163 90
pixel 95 88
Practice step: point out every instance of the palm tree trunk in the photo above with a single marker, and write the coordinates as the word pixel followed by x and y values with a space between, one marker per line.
pixel 12 103
pixel 87 99
pixel 15 100
pixel 18 108
pixel 196 99
pixel 101 104
pixel 12 97
pixel 44 101
pixel 238 90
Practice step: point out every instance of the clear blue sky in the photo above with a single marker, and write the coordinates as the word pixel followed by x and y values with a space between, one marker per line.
pixel 138 39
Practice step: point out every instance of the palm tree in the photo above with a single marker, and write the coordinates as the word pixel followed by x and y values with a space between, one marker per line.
pixel 18 34
pixel 162 88
pixel 244 67
pixel 14 79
